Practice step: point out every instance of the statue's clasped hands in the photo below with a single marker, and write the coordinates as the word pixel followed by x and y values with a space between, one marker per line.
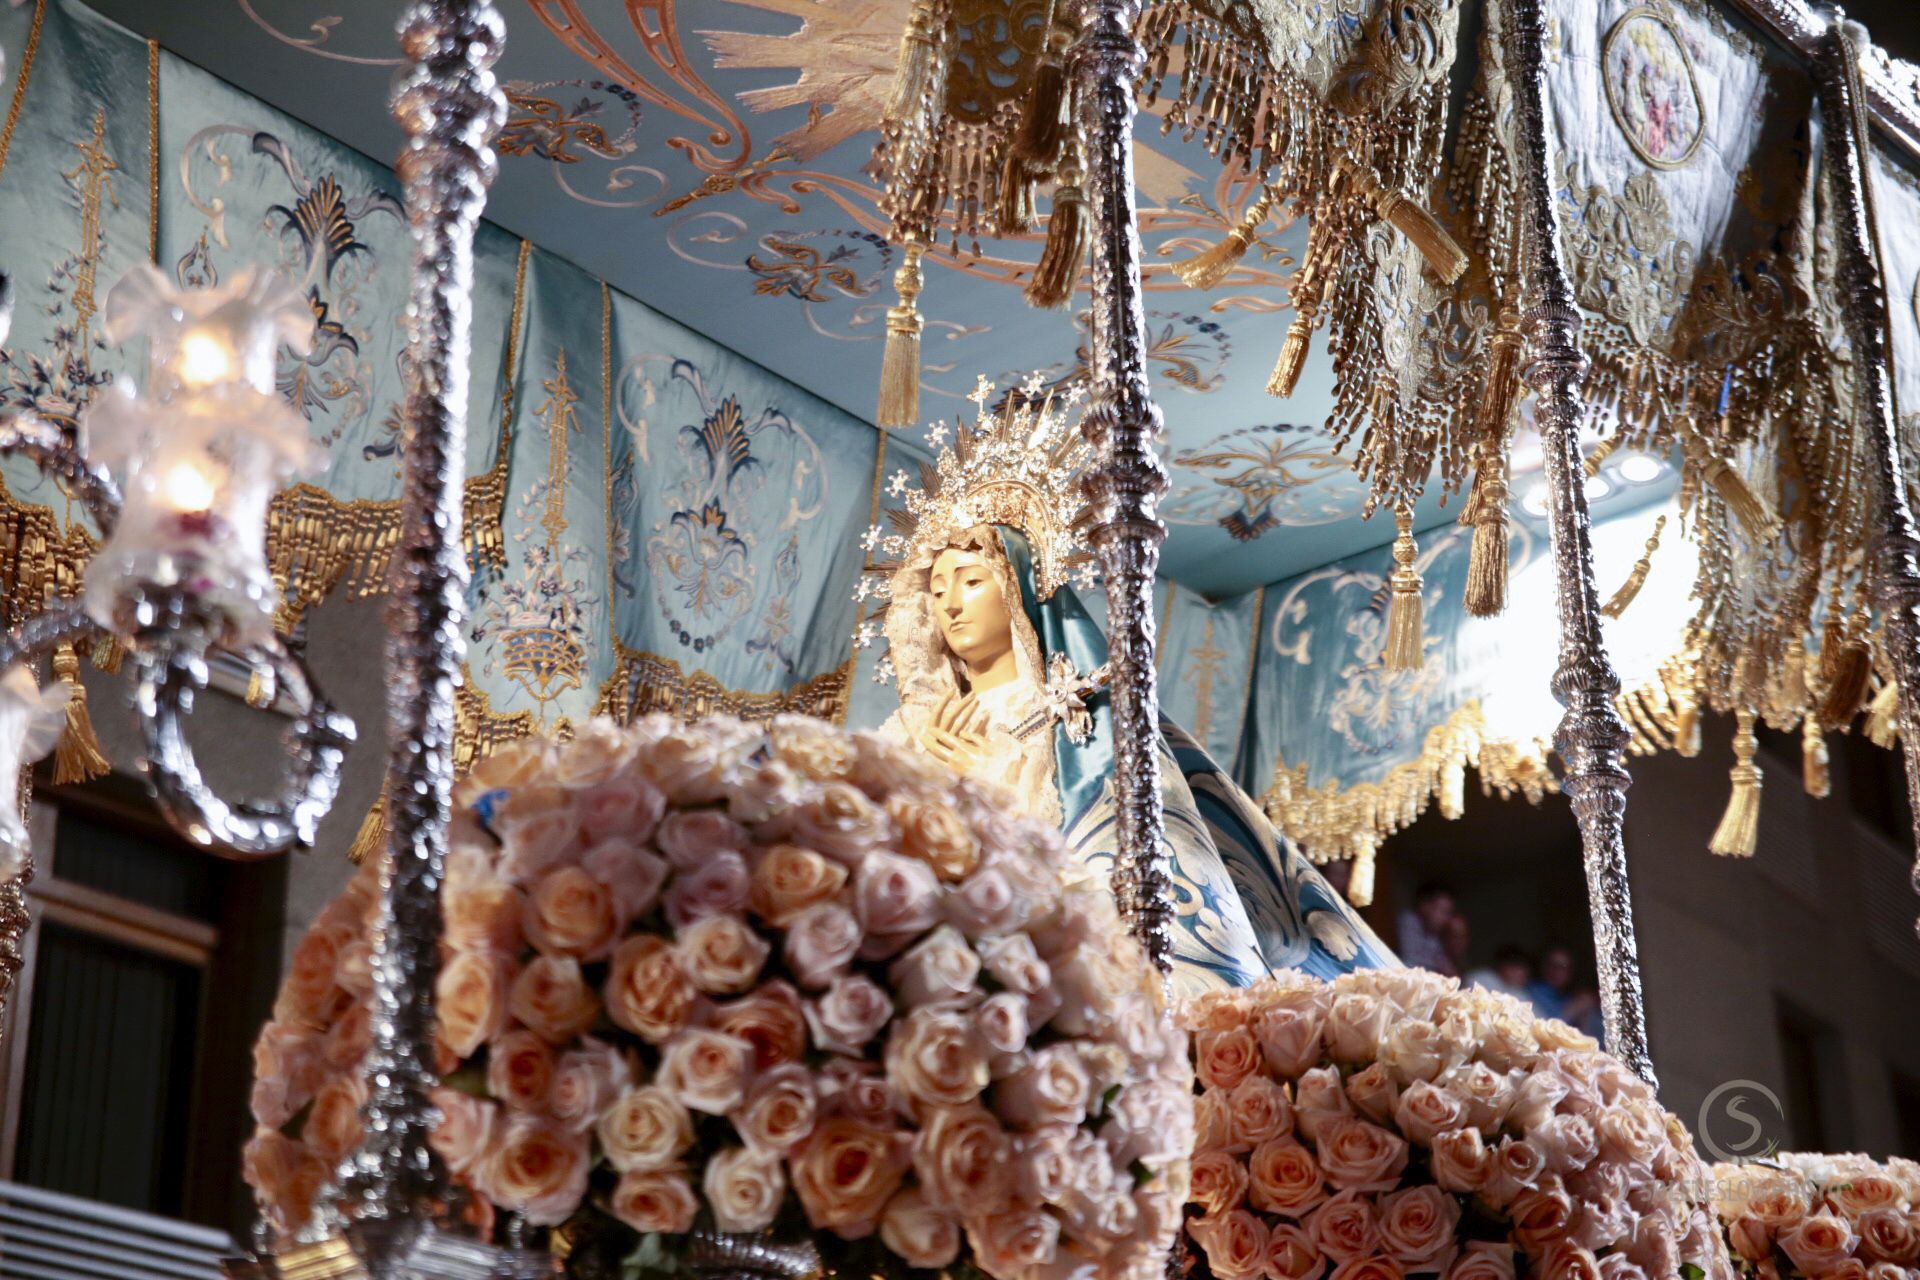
pixel 957 734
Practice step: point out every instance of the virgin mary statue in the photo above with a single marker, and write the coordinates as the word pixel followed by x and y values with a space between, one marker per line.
pixel 1002 675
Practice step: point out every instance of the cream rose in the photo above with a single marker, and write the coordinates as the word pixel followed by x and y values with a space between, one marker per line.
pixel 1617 1266
pixel 719 886
pixel 1346 1227
pixel 964 1159
pixel 1487 1094
pixel 1862 1190
pixel 1045 1171
pixel 1361 1156
pixel 569 913
pixel 1218 1182
pixel 1257 1109
pixel 1356 1023
pixel 1284 1178
pixel 810 748
pixel 1377 1267
pixel 1291 1036
pixel 1212 1121
pixel 599 750
pixel 706 1070
pixel 721 954
pixel 919 1232
pixel 1222 1059
pixel 933 1059
pixel 1291 1254
pixel 1319 1098
pixel 770 1019
pixel 691 838
pixel 895 895
pixel 1517 1165
pixel 623 808
pixel 552 1000
pixel 537 843
pixel 520 1070
pixel 286 1177
pixel 848 1014
pixel 1819 1244
pixel 858 1090
pixel 690 763
pixel 645 1128
pixel 986 904
pixel 1003 1026
pixel 1051 1088
pixel 1415 1050
pixel 537 1169
pixel 1461 1161
pixel 288 1067
pixel 1631 1134
pixel 1888 1235
pixel 788 879
pixel 585 1082
pixel 842 823
pixel 484 916
pixel 1534 1100
pixel 470 1000
pixel 632 875
pixel 1483 1260
pixel 1014 1243
pixel 1374 1092
pixel 349 1038
pixel 651 1200
pixel 821 943
pixel 933 833
pixel 744 1188
pixel 465 1130
pixel 310 994
pixel 1541 1215
pixel 333 1125
pixel 845 1172
pixel 1567 1141
pixel 1235 1243
pixel 1565 1260
pixel 647 991
pixel 1425 1110
pixel 939 969
pixel 1417 1226
pixel 780 1109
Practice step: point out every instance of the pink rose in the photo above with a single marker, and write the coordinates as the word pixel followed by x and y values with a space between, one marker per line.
pixel 537 1169
pixel 1378 1267
pixel 520 1069
pixel 632 875
pixel 845 1172
pixel 1001 1023
pixel 847 1016
pixel 1052 1088
pixel 1222 1059
pixel 1218 1182
pixel 1291 1254
pixel 465 1130
pixel 895 895
pixel 719 886
pixel 918 1231
pixel 940 968
pixel 1565 1260
pixel 552 1000
pixel 788 879
pixel 1015 964
pixel 1487 1094
pixel 1374 1092
pixel 569 913
pixel 842 823
pixel 288 1068
pixel 585 1081
pixel 1284 1178
pixel 1482 1260
pixel 623 808
pixel 1212 1121
pixel 349 1038
pixel 1567 1141
pixel 483 916
pixel 1361 1156
pixel 1617 1266
pixel 1541 1215
pixel 858 1090
pixel 1461 1161
pixel 1820 1243
pixel 706 1070
pixel 1601 1221
pixel 537 844
pixel 1235 1243
pixel 286 1178
pixel 310 994
pixel 1013 1243
pixel 1631 1134
pixel 933 1059
pixel 1045 1170
pixel 1517 1165
pixel 470 1000
pixel 647 991
pixel 1345 1227
pixel 1425 1110
pixel 985 904
pixel 650 1200
pixel 1534 1100
pixel 690 763
pixel 1888 1235
pixel 1862 1190
pixel 771 1020
pixel 1319 1098
pixel 744 1187
pixel 721 954
pixel 1291 1036
pixel 692 837
pixel 1414 1050
pixel 1356 1024
pixel 1258 1109
pixel 1417 1226
pixel 599 750
pixel 333 1128
pixel 964 1159
pixel 821 944
pixel 645 1128
pixel 780 1109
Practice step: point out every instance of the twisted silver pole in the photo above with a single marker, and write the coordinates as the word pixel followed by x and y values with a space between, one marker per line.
pixel 1896 551
pixel 1125 489
pixel 451 108
pixel 1592 738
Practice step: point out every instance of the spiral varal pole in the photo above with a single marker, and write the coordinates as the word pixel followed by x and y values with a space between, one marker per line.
pixel 1896 559
pixel 1592 738
pixel 450 107
pixel 1125 488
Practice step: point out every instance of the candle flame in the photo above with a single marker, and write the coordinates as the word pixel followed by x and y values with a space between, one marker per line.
pixel 188 488
pixel 204 359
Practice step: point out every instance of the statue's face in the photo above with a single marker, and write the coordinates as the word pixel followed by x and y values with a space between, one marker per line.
pixel 969 607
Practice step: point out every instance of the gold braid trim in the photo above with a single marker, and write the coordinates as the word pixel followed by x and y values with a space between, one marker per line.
pixel 20 81
pixel 1330 823
pixel 479 730
pixel 153 151
pixel 645 682
pixel 39 561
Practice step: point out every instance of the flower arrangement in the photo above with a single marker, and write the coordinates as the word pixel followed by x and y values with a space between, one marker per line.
pixel 1389 1124
pixel 789 979
pixel 1821 1217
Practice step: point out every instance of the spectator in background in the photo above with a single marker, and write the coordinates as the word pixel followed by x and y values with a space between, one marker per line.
pixel 1423 927
pixel 1511 972
pixel 1583 1011
pixel 1548 993
pixel 1457 937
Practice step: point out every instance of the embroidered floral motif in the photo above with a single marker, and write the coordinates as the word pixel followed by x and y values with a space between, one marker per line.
pixel 1256 479
pixel 1651 89
pixel 540 126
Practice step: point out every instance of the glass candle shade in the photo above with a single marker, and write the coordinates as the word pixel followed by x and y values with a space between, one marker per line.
pixel 31 720
pixel 199 451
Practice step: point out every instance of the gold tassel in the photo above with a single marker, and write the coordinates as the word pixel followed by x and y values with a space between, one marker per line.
pixel 372 836
pixel 900 364
pixel 1686 723
pixel 913 77
pixel 1739 827
pixel 1748 507
pixel 1293 355
pixel 1406 641
pixel 1847 662
pixel 1883 716
pixel 1814 774
pixel 1601 452
pixel 1014 212
pixel 1486 593
pixel 1069 238
pixel 1502 387
pixel 78 757
pixel 1638 578
pixel 1360 882
pixel 1043 127
pixel 1210 266
pixel 106 655
pixel 1442 252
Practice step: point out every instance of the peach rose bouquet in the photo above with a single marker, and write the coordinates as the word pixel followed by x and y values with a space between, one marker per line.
pixel 1793 1216
pixel 1389 1124
pixel 790 980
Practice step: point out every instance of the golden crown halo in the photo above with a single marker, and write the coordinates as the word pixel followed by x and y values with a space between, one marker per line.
pixel 1018 464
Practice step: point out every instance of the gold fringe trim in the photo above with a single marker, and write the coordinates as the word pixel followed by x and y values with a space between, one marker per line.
pixel 372 835
pixel 1815 775
pixel 1406 644
pixel 1883 716
pixel 1331 822
pixel 20 81
pixel 1630 589
pixel 78 757
pixel 643 683
pixel 1739 829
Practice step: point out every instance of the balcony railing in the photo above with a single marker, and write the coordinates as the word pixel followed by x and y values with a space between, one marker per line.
pixel 48 1236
